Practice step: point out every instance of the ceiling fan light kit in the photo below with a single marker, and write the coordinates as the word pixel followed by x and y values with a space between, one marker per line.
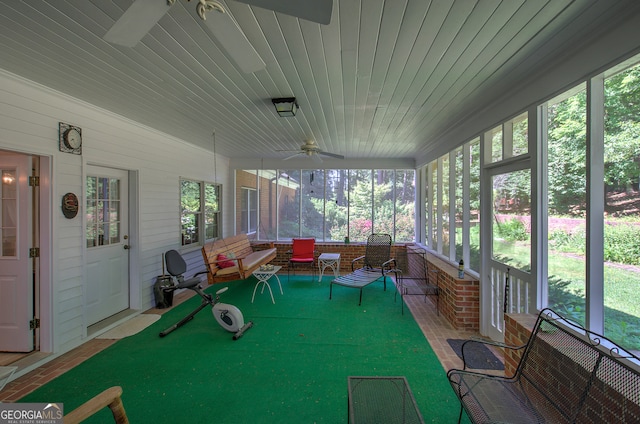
pixel 286 106
pixel 207 6
pixel 311 149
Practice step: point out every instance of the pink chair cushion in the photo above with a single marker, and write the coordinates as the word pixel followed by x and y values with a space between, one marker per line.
pixel 224 262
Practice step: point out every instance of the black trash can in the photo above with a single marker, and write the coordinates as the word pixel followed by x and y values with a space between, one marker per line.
pixel 164 298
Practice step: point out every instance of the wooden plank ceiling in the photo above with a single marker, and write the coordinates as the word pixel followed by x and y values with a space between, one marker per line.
pixel 380 81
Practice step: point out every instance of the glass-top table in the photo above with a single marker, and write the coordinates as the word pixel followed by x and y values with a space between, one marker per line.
pixel 381 400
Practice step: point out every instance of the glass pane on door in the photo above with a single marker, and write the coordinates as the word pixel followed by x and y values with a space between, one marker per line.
pixel 8 212
pixel 511 223
pixel 103 211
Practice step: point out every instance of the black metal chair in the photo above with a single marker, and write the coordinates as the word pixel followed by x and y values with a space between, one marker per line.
pixel 376 264
pixel 415 278
pixel 377 252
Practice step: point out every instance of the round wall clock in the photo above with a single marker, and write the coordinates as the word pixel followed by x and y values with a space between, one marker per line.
pixel 70 139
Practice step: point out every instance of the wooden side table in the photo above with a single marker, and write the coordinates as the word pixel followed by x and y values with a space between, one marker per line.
pixel 381 400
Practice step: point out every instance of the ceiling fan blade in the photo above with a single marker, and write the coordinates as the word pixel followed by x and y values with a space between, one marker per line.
pixel 233 40
pixel 311 10
pixel 136 22
pixel 333 155
pixel 293 156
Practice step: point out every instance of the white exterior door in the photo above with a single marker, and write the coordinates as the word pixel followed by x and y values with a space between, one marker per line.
pixel 16 276
pixel 507 284
pixel 107 243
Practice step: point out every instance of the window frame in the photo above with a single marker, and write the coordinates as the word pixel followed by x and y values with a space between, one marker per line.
pixel 290 183
pixel 245 194
pixel 201 214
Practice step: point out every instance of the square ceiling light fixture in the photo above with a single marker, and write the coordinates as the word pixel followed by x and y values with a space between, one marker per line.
pixel 286 106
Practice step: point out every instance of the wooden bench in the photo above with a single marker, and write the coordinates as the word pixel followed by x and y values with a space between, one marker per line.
pixel 566 374
pixel 238 250
pixel 110 397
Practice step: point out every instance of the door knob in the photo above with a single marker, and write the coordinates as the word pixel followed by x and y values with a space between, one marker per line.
pixel 126 247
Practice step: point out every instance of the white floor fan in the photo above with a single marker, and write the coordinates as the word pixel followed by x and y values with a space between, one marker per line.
pixel 311 149
pixel 142 15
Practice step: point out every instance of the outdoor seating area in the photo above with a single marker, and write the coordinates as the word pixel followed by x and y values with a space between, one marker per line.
pixel 303 323
pixel 566 374
pixel 603 377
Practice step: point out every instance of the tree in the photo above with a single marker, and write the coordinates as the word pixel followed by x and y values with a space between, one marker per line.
pixel 622 129
pixel 567 154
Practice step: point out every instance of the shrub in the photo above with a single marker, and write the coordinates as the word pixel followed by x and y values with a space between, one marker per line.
pixel 622 244
pixel 512 230
pixel 568 242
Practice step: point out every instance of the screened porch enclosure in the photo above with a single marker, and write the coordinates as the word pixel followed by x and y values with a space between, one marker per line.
pixel 326 204
pixel 545 208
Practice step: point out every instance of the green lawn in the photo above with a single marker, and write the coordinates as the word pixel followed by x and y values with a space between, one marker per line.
pixel 567 291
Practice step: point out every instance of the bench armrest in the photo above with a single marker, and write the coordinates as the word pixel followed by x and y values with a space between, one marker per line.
pixel 109 397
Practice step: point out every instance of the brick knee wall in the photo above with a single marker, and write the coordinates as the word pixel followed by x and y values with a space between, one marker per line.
pixel 459 297
pixel 612 397
pixel 517 331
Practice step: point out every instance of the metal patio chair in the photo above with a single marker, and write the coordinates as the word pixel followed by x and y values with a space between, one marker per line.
pixel 375 264
pixel 414 276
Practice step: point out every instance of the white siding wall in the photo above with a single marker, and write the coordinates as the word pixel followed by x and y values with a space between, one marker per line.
pixel 29 116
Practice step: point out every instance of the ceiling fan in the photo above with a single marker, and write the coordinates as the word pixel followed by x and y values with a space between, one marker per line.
pixel 142 15
pixel 311 149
